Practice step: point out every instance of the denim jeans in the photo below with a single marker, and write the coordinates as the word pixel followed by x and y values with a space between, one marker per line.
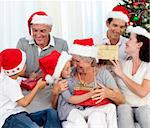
pixel 129 117
pixel 47 118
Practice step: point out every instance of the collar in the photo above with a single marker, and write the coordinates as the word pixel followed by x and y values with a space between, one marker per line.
pixel 105 39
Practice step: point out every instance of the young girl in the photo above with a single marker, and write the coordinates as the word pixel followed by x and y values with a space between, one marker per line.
pixel 12 101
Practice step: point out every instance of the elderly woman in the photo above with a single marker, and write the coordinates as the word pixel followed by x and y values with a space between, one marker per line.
pixel 86 73
pixel 134 81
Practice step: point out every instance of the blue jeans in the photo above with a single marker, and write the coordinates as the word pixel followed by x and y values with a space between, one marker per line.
pixel 47 118
pixel 129 117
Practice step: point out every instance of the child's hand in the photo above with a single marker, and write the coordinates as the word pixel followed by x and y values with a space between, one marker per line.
pixel 41 84
pixel 60 86
pixel 32 76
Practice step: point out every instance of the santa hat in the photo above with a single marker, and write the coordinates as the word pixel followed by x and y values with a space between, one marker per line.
pixel 39 17
pixel 53 64
pixel 13 61
pixel 119 12
pixel 138 30
pixel 0 61
pixel 84 47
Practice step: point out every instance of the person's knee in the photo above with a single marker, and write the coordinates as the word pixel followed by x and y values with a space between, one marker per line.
pixel 97 119
pixel 112 107
pixel 97 115
pixel 75 116
pixel 52 112
pixel 143 110
pixel 124 108
pixel 142 115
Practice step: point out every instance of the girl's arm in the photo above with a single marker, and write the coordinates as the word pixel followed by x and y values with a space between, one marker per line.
pixel 80 98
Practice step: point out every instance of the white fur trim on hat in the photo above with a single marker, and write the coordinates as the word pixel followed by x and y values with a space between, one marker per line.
pixel 64 57
pixel 40 19
pixel 2 74
pixel 138 30
pixel 118 15
pixel 18 68
pixel 49 79
pixel 87 51
pixel 29 38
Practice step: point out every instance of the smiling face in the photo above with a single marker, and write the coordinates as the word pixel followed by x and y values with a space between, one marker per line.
pixel 132 45
pixel 40 33
pixel 115 28
pixel 82 64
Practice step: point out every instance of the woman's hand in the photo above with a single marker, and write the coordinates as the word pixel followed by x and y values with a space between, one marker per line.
pixel 100 94
pixel 60 86
pixel 117 68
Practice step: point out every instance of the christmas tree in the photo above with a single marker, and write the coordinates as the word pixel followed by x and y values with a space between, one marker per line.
pixel 139 12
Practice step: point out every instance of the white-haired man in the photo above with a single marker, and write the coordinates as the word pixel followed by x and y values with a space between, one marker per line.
pixel 39 44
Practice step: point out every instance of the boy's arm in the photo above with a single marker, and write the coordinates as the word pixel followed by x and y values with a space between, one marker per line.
pixel 26 100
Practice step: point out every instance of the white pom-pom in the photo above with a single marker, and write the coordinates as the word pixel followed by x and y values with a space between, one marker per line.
pixel 49 79
pixel 29 38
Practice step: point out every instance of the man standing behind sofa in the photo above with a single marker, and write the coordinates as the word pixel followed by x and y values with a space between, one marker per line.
pixel 117 21
pixel 40 43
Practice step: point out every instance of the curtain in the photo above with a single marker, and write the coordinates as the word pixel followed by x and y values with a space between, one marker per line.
pixel 72 19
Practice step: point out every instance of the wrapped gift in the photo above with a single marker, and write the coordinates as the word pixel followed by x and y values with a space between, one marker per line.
pixel 28 84
pixel 79 90
pixel 107 52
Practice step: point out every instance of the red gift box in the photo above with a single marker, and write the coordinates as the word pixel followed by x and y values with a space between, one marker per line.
pixel 82 90
pixel 28 84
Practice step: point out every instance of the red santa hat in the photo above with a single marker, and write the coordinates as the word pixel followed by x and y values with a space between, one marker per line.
pixel 53 64
pixel 39 17
pixel 84 47
pixel 119 12
pixel 0 61
pixel 138 30
pixel 13 61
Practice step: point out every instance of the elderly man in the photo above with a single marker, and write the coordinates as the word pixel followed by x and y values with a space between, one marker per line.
pixel 40 43
pixel 117 21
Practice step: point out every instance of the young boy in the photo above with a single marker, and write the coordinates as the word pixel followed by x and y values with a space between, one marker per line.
pixel 12 101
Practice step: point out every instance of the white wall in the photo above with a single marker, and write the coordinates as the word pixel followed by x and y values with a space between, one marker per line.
pixel 72 18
